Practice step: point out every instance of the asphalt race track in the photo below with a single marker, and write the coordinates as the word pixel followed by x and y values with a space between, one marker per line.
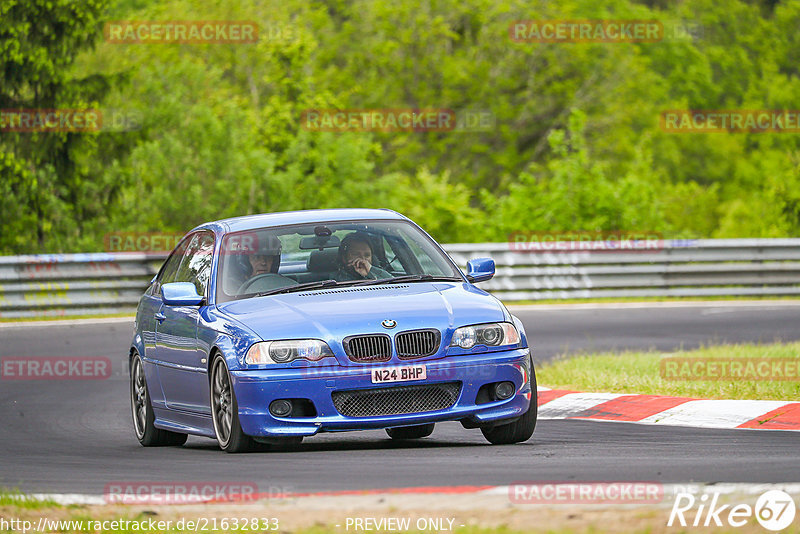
pixel 76 436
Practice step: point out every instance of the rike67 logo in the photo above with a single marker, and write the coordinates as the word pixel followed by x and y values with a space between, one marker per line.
pixel 774 510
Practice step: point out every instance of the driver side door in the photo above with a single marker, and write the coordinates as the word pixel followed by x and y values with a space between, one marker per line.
pixel 183 371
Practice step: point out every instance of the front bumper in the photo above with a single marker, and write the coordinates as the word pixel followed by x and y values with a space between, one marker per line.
pixel 256 389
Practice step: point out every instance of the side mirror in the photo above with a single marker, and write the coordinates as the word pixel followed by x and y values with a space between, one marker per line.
pixel 180 294
pixel 480 269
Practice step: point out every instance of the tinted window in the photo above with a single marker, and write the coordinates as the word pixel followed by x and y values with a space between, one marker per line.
pixel 170 267
pixel 196 264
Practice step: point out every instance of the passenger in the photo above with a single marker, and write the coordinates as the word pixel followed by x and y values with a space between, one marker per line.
pixel 355 259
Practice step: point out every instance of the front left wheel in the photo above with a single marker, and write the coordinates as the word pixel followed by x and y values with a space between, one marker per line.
pixel 521 429
pixel 142 411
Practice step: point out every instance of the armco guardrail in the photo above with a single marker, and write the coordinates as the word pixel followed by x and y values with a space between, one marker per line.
pixel 68 284
pixel 73 284
pixel 678 268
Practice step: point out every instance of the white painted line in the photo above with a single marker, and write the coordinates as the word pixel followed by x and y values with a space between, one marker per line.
pixel 573 404
pixel 67 322
pixel 66 499
pixel 713 413
pixel 670 304
pixel 718 310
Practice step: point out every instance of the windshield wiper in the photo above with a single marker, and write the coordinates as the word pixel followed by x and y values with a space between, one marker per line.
pixel 411 278
pixel 299 287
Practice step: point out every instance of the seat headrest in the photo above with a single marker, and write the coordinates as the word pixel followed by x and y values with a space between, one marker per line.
pixel 323 261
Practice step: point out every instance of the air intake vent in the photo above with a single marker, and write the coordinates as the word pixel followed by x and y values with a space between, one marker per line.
pixel 416 344
pixel 368 349
pixel 351 290
pixel 396 400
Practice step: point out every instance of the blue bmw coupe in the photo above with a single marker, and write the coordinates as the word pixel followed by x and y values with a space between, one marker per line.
pixel 269 328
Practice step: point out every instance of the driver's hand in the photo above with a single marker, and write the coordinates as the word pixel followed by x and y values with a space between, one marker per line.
pixel 361 266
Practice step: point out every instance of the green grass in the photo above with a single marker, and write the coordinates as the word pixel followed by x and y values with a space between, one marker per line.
pixel 639 372
pixel 19 500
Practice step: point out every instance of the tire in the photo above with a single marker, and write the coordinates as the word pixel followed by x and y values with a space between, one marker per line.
pixel 142 412
pixel 521 429
pixel 411 432
pixel 225 412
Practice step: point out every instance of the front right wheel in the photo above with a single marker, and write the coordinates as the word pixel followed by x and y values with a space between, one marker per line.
pixel 225 411
pixel 521 429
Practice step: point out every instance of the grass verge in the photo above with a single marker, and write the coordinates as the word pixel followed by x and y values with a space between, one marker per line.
pixel 22 501
pixel 642 372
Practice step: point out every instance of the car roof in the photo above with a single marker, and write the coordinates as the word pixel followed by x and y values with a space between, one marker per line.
pixel 251 222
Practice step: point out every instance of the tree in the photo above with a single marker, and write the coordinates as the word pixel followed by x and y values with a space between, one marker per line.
pixel 45 177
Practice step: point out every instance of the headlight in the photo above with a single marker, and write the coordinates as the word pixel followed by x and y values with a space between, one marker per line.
pixel 490 334
pixel 267 352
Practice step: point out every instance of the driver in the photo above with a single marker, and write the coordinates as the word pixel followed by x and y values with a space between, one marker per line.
pixel 263 259
pixel 355 259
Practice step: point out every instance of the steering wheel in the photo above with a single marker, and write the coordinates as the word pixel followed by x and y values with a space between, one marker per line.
pixel 265 282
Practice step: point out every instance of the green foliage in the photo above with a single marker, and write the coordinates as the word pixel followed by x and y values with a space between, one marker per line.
pixel 575 145
pixel 47 188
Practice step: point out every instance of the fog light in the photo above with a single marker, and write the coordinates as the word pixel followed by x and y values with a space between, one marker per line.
pixel 504 390
pixel 280 408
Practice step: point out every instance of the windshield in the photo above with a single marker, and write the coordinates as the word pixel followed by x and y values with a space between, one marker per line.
pixel 292 258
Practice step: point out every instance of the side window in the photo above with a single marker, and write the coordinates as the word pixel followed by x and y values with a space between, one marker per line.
pixel 196 264
pixel 167 273
pixel 393 257
pixel 424 259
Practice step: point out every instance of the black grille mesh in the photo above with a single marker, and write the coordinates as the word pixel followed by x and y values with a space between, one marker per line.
pixel 396 400
pixel 370 348
pixel 416 344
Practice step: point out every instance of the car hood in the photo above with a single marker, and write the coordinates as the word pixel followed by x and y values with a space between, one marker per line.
pixel 333 314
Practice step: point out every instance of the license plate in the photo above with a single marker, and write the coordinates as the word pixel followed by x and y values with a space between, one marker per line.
pixel 405 373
